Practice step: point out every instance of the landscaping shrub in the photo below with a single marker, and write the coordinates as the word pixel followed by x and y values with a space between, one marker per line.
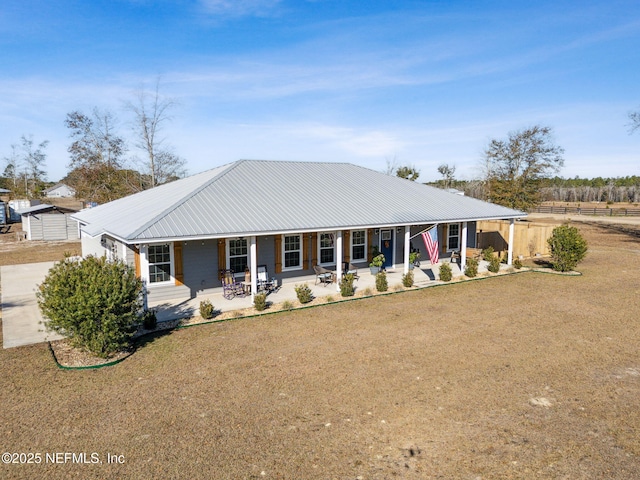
pixel 517 263
pixel 407 279
pixel 287 305
pixel 94 302
pixel 471 269
pixel 346 285
pixel 487 254
pixel 149 320
pixel 260 302
pixel 367 291
pixel 568 248
pixel 494 265
pixel 304 293
pixel 381 282
pixel 206 309
pixel 445 272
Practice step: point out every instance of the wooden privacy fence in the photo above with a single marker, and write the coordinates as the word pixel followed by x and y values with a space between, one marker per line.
pixel 529 238
pixel 610 212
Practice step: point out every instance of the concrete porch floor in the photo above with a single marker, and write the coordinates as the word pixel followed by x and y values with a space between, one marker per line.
pixel 188 307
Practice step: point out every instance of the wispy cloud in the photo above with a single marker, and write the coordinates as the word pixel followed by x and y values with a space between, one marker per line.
pixel 240 8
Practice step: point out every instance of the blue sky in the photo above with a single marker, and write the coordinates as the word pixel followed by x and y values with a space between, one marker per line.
pixel 421 82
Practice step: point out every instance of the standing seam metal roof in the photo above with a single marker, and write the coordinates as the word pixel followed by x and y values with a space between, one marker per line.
pixel 259 197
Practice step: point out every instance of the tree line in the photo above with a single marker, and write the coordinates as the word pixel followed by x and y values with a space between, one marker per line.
pixel 518 172
pixel 101 165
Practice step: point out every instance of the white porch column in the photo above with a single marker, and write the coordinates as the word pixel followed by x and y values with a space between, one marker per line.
pixel 463 247
pixel 510 250
pixel 407 247
pixel 254 267
pixel 339 257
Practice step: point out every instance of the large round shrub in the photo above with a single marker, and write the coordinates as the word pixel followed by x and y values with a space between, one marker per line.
pixel 94 302
pixel 568 248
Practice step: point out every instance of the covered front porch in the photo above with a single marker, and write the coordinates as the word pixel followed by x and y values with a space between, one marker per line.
pixel 424 275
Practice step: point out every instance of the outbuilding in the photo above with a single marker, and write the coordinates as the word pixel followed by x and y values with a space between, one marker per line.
pixel 49 222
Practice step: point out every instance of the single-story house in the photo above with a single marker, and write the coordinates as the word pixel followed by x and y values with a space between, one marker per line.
pixel 286 215
pixel 49 222
pixel 60 190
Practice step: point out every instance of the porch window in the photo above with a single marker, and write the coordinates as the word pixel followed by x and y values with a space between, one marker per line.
pixel 159 258
pixel 453 237
pixel 327 248
pixel 358 245
pixel 238 255
pixel 292 246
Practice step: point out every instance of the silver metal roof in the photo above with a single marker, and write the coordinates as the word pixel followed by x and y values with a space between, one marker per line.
pixel 257 197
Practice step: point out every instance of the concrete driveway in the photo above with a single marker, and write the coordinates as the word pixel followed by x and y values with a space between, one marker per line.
pixel 20 314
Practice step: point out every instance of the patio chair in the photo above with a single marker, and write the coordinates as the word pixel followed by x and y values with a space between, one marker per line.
pixel 350 269
pixel 230 286
pixel 264 283
pixel 323 275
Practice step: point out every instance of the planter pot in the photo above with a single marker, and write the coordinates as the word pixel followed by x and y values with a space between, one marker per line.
pixel 374 270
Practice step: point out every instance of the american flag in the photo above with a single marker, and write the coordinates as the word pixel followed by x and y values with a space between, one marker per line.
pixel 430 238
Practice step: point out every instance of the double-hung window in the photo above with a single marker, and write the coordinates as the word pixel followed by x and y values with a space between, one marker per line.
pixel 238 255
pixel 292 249
pixel 358 245
pixel 453 240
pixel 159 258
pixel 327 248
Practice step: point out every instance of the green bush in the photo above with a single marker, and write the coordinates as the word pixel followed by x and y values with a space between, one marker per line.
pixel 260 302
pixel 568 248
pixel 471 269
pixel 487 253
pixel 304 293
pixel 207 310
pixel 149 320
pixel 445 272
pixel 407 279
pixel 517 263
pixel 381 282
pixel 94 302
pixel 346 285
pixel 287 305
pixel 494 265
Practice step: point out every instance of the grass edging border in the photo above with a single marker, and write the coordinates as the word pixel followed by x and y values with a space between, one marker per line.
pixel 305 307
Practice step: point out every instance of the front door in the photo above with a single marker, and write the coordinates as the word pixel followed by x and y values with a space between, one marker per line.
pixel 386 247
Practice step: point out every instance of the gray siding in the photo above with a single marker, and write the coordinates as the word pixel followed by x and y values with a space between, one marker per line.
pixel 50 226
pixel 54 226
pixel 200 265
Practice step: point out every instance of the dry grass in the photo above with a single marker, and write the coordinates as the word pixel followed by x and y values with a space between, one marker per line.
pixel 520 376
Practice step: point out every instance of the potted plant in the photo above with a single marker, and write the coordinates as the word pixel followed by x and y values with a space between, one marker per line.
pixel 376 264
pixel 414 260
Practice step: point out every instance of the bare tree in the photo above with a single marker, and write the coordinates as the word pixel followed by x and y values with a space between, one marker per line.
pixel 31 160
pixel 12 167
pixel 151 112
pixel 635 121
pixel 97 157
pixel 447 173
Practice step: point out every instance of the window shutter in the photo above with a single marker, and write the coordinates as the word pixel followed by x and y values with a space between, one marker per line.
pixel 445 237
pixel 222 256
pixel 136 261
pixel 314 249
pixel 177 263
pixel 305 251
pixel 278 252
pixel 369 245
pixel 346 246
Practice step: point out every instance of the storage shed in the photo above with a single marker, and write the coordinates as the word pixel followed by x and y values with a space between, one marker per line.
pixel 48 222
